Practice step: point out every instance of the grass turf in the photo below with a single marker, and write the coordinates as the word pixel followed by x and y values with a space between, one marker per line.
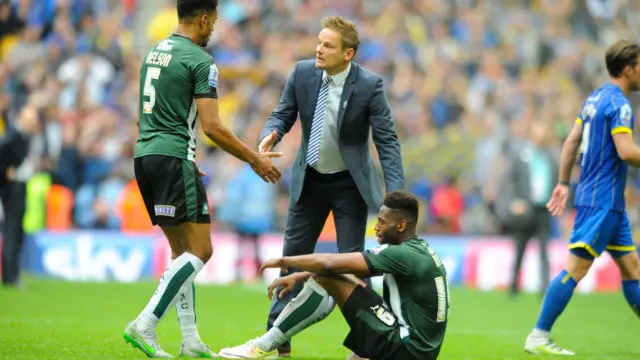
pixel 60 320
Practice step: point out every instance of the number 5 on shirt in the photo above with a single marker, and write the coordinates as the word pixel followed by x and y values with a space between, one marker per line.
pixel 153 73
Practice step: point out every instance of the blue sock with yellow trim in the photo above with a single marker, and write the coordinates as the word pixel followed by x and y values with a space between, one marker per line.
pixel 555 300
pixel 631 290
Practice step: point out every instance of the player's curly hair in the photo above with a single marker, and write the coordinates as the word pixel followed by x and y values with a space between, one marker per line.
pixel 404 203
pixel 620 55
pixel 191 8
pixel 347 29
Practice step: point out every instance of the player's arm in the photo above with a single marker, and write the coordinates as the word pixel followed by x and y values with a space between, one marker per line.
pixel 326 264
pixel 570 152
pixel 627 149
pixel 206 96
pixel 622 134
pixel 389 259
pixel 285 114
pixel 219 133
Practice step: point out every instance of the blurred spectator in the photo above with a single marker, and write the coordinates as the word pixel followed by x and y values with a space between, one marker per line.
pixel 461 78
pixel 447 206
pixel 529 179
pixel 17 166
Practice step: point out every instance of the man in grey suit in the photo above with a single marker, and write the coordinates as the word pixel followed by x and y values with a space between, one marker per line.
pixel 526 189
pixel 339 103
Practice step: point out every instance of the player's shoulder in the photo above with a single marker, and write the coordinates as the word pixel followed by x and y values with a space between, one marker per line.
pixel 621 102
pixel 198 54
pixel 410 246
pixel 435 260
pixel 190 51
pixel 365 74
pixel 609 95
pixel 376 250
pixel 419 251
pixel 168 44
pixel 305 66
pixel 387 249
pixel 618 105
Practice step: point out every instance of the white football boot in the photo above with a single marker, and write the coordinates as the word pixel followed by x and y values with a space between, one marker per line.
pixel 196 349
pixel 147 342
pixel 540 343
pixel 248 350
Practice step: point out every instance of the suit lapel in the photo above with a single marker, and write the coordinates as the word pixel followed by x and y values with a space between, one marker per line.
pixel 314 89
pixel 347 90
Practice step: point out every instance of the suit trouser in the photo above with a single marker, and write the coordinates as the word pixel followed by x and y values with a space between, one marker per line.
pixel 321 193
pixel 13 197
pixel 538 226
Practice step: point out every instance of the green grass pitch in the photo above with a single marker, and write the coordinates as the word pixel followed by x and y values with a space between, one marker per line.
pixel 58 320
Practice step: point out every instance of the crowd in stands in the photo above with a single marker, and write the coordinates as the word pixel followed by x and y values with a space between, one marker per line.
pixel 465 79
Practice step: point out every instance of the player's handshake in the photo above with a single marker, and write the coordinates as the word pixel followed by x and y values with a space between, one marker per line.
pixel 265 168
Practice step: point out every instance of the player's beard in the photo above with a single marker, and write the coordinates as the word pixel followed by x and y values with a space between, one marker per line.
pixel 205 39
pixel 389 236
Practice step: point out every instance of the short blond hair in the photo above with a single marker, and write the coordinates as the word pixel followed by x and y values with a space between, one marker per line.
pixel 347 29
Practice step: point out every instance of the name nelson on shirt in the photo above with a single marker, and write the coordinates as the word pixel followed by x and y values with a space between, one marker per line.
pixel 158 58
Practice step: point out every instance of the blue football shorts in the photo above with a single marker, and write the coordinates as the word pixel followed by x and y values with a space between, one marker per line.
pixel 596 230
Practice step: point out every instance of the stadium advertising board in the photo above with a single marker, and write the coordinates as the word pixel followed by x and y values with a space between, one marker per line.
pixel 489 263
pixel 479 263
pixel 91 256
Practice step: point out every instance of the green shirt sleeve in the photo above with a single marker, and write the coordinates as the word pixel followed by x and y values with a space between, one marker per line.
pixel 389 259
pixel 205 74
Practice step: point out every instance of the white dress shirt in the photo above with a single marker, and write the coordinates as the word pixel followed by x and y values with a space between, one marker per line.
pixel 329 158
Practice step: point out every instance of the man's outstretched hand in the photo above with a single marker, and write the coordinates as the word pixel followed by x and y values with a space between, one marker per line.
pixel 267 142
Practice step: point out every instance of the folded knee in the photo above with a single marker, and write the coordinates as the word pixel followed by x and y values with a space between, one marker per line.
pixel 203 250
pixel 319 282
pixel 329 281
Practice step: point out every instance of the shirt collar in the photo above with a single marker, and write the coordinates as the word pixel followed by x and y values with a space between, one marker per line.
pixel 338 78
pixel 614 87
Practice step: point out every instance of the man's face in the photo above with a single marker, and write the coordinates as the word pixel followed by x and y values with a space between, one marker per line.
pixel 539 133
pixel 207 23
pixel 329 51
pixel 389 226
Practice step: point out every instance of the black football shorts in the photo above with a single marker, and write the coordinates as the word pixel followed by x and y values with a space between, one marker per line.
pixel 172 190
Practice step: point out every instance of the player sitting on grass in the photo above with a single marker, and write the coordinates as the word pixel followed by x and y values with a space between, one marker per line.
pixel 602 133
pixel 408 323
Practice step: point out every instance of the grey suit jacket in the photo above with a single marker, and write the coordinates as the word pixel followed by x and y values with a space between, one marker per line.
pixel 366 109
pixel 516 185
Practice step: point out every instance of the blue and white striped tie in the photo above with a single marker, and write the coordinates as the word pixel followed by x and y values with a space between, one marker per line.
pixel 313 151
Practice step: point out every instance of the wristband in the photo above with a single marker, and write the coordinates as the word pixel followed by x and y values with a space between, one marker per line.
pixel 565 183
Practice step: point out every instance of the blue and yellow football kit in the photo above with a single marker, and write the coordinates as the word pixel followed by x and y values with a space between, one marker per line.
pixel 601 221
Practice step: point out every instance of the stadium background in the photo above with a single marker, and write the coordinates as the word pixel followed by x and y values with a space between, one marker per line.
pixel 465 79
